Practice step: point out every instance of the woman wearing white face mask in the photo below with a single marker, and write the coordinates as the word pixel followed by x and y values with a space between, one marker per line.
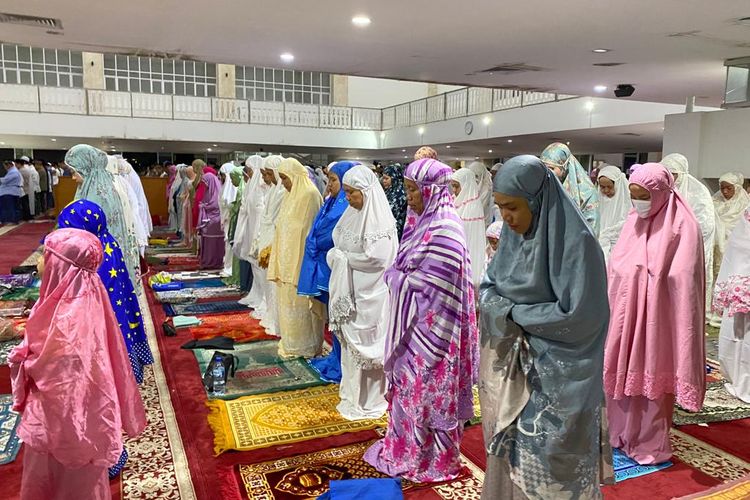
pixel 655 351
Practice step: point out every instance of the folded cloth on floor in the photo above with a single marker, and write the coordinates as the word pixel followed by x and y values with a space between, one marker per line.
pixel 163 287
pixel 31 293
pixel 238 326
pixel 214 343
pixel 13 308
pixel 205 308
pixel 364 489
pixel 185 321
pixel 17 280
pixel 176 297
pixel 204 283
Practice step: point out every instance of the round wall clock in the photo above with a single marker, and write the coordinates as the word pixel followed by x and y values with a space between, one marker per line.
pixel 469 128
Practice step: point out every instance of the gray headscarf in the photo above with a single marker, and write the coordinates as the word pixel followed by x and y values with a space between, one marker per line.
pixel 552 282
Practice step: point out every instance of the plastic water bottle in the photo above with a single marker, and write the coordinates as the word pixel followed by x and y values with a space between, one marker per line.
pixel 218 375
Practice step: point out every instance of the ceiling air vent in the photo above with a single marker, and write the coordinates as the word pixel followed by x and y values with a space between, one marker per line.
pixel 512 68
pixel 34 21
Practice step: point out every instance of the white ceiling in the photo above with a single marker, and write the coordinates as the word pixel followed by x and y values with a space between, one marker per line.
pixel 671 49
pixel 635 138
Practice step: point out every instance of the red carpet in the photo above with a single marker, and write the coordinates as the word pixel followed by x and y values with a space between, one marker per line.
pixel 20 242
pixel 732 437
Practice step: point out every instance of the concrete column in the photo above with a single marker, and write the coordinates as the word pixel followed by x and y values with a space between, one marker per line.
pixel 225 81
pixel 340 90
pixel 93 71
pixel 432 89
pixel 690 104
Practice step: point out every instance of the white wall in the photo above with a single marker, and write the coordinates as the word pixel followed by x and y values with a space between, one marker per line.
pixel 381 93
pixel 713 142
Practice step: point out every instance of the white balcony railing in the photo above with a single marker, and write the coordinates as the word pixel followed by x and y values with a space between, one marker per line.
pixel 456 104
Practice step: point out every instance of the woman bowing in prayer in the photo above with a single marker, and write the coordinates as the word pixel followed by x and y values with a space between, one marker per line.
pixel 614 206
pixel 300 320
pixel 655 347
pixel 98 185
pixel 393 184
pixel 543 333
pixel 469 207
pixel 698 197
pixel 431 351
pixel 732 297
pixel 365 244
pixel 211 251
pixel 315 273
pixel 72 381
pixel 558 158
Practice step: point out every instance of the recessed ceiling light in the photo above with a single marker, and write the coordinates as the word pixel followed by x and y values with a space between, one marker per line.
pixel 448 147
pixel 489 151
pixel 600 88
pixel 510 140
pixel 486 120
pixel 476 157
pixel 2 144
pixel 208 149
pixel 406 157
pixel 215 145
pixel 420 131
pixel 287 57
pixel 568 143
pixel 361 21
pixel 346 151
pixel 403 151
pixel 601 51
pixel 53 140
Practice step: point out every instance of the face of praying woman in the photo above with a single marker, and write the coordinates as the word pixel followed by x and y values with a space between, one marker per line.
pixel 190 171
pixel 248 173
pixel 727 190
pixel 286 182
pixel 639 193
pixel 414 196
pixel 268 176
pixel 493 243
pixel 355 197
pixel 607 187
pixel 557 170
pixel 77 177
pixel 386 181
pixel 456 188
pixel 515 212
pixel 40 265
pixel 334 186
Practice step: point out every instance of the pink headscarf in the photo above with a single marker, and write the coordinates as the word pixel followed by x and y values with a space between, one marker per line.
pixel 209 207
pixel 71 376
pixel 655 344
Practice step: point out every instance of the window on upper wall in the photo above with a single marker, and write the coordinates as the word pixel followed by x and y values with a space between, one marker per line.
pixel 35 66
pixel 155 75
pixel 269 84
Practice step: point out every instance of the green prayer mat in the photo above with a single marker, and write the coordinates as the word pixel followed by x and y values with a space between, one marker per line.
pixel 260 370
pixel 22 294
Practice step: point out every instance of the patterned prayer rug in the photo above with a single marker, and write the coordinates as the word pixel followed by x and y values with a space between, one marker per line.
pixel 307 476
pixel 706 458
pixel 733 490
pixel 10 308
pixel 260 370
pixel 191 295
pixel 204 308
pixel 205 283
pixel 286 417
pixel 627 468
pixel 9 440
pixel 5 348
pixel 718 406
pixel 238 326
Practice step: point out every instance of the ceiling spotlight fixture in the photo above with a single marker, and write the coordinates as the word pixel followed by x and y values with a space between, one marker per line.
pixel 346 151
pixel 2 144
pixel 510 140
pixel 215 145
pixel 420 131
pixel 489 151
pixel 361 21
pixel 568 143
pixel 208 149
pixel 476 157
pixel 601 51
pixel 600 88
pixel 287 57
pixel 53 140
pixel 486 120
pixel 405 157
pixel 448 147
pixel 403 151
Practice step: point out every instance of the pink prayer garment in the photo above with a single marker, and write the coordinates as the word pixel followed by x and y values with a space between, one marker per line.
pixel 72 381
pixel 655 345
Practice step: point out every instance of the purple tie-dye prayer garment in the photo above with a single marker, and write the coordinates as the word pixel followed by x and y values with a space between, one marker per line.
pixel 431 352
